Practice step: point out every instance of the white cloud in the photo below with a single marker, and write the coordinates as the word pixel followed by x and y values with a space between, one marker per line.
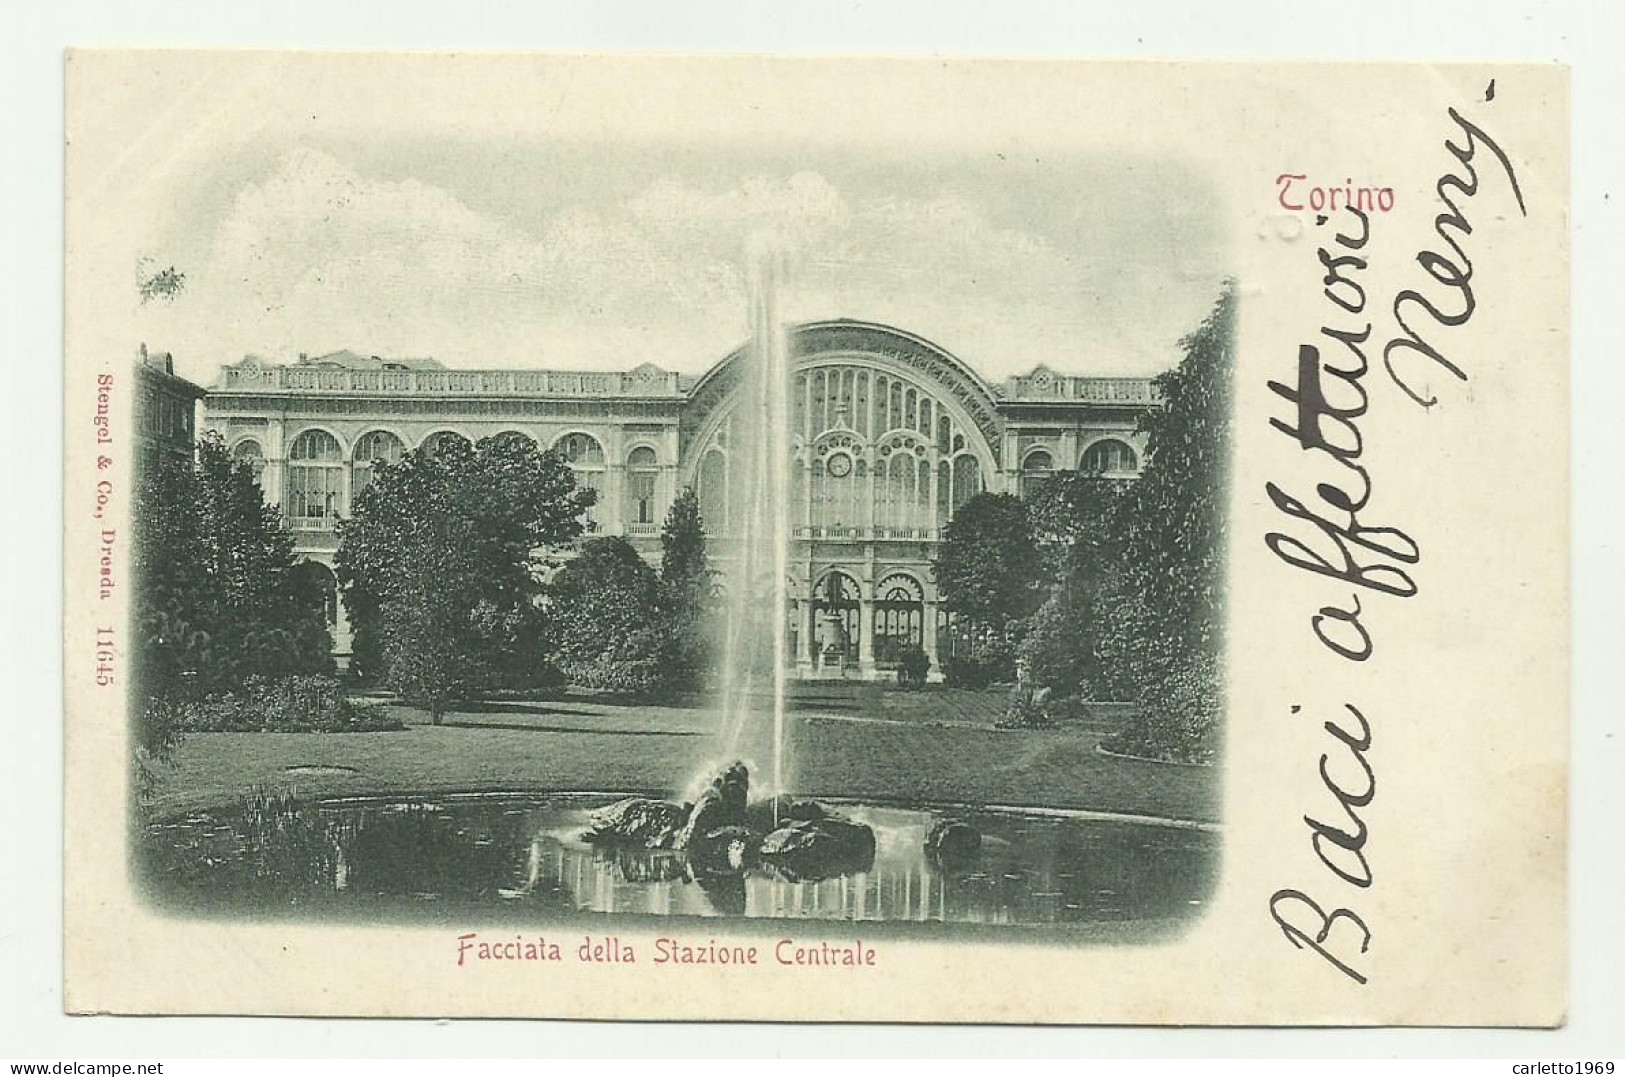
pixel 316 256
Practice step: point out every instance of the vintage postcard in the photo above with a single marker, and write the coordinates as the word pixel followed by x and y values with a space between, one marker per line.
pixel 816 540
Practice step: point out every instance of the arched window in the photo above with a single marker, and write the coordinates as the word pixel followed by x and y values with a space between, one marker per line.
pixel 444 441
pixel 322 589
pixel 967 479
pixel 585 457
pixel 378 447
pixel 713 491
pixel 641 472
pixel 839 478
pixel 248 451
pixel 837 620
pixel 1037 466
pixel 899 618
pixel 903 488
pixel 1109 456
pixel 315 481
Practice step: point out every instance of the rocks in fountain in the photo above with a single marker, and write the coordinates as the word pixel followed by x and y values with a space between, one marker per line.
pixel 767 815
pixel 652 824
pixel 722 832
pixel 950 841
pixel 809 849
pixel 726 849
pixel 721 805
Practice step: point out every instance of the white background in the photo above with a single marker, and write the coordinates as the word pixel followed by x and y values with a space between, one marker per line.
pixel 1587 36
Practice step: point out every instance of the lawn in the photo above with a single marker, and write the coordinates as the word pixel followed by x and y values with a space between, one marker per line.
pixel 859 742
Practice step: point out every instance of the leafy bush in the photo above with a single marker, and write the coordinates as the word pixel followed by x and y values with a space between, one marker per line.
pixel 1027 710
pixel 1180 721
pixel 440 564
pixel 912 666
pixel 617 676
pixel 1058 649
pixel 158 727
pixel 278 705
pixel 540 680
pixel 988 568
pixel 610 630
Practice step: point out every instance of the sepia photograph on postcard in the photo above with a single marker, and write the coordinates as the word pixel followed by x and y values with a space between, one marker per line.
pixel 816 539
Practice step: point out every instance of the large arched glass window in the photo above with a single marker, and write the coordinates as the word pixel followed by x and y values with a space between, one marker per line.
pixel 378 447
pixel 315 481
pixel 967 479
pixel 839 483
pixel 903 488
pixel 1109 456
pixel 641 473
pixel 1036 467
pixel 248 452
pixel 713 491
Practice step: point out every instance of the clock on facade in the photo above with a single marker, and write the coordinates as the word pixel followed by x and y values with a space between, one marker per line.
pixel 840 465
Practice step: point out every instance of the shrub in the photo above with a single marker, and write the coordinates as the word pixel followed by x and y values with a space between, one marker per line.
pixel 912 666
pixel 280 705
pixel 609 630
pixel 158 728
pixel 1027 710
pixel 542 680
pixel 617 676
pixel 1180 720
pixel 1058 648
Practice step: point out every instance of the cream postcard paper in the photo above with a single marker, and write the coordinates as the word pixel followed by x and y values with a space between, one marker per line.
pixel 865 540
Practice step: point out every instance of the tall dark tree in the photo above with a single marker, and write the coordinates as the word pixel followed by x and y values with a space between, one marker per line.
pixel 1074 521
pixel 430 642
pixel 987 567
pixel 608 633
pixel 217 594
pixel 458 539
pixel 689 584
pixel 683 557
pixel 1168 620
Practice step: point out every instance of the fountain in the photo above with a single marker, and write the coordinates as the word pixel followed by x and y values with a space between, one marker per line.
pixel 728 846
pixel 754 666
pixel 719 827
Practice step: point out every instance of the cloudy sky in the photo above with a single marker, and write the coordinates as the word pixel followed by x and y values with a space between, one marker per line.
pixel 503 252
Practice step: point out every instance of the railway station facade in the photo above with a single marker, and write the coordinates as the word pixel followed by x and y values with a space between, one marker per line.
pixel 890 434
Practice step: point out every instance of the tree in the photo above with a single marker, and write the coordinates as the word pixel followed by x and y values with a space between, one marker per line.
pixel 1168 624
pixel 684 562
pixel 607 632
pixel 218 596
pixel 689 585
pixel 988 568
pixel 432 656
pixel 456 540
pixel 1074 521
